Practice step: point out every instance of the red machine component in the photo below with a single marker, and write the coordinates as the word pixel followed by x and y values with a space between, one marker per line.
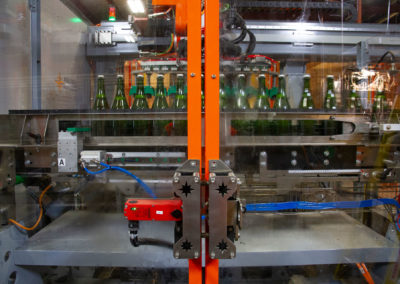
pixel 153 209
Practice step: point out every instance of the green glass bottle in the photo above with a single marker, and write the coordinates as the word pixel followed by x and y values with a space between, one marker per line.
pixel 161 127
pixel 121 127
pixel 330 126
pixel 140 127
pixel 100 127
pixel 180 104
pixel 223 100
pixel 262 127
pixel 380 104
pixel 241 96
pixel 330 98
pixel 283 127
pixel 354 102
pixel 306 127
pixel 242 127
pixel 202 93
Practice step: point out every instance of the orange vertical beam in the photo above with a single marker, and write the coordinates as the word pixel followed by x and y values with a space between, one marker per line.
pixel 194 105
pixel 211 82
pixel 211 108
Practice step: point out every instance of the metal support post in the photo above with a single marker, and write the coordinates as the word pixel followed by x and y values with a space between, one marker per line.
pixel 36 67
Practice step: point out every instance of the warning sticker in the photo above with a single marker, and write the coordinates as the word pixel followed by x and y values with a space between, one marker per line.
pixel 159 212
pixel 61 162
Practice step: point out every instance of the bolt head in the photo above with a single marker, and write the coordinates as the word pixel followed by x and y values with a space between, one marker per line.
pixel 388 127
pixel 293 162
pixel 213 76
pixel 212 255
pixel 263 154
pixel 176 254
pixel 193 163
pixel 192 74
pixel 196 254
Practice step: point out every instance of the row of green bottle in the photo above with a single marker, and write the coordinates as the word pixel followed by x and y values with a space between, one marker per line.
pixel 140 127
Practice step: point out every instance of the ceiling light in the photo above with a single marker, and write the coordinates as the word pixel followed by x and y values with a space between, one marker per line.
pixel 136 6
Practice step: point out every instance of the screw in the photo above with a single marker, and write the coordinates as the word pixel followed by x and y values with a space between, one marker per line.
pixel 192 74
pixel 263 154
pixel 196 254
pixel 212 180
pixel 332 117
pixel 53 154
pixel 358 162
pixel 294 153
pixel 193 163
pixel 388 127
pixel 326 162
pixel 212 255
pixel 233 179
pixel 176 179
pixel 213 76
pixel 326 153
pixel 293 162
pixel 177 254
pixel 196 179
pixel 332 138
pixel 232 254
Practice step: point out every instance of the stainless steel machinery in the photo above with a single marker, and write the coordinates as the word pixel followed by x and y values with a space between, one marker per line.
pixel 297 195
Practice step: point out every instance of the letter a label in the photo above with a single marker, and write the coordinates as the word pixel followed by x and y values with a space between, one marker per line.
pixel 61 162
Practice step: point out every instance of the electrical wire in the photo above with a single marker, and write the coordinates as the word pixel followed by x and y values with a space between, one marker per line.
pixel 364 271
pixel 169 48
pixel 40 215
pixel 304 205
pixel 108 167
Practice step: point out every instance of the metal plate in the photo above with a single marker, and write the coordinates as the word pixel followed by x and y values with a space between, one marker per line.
pixel 307 239
pixel 93 239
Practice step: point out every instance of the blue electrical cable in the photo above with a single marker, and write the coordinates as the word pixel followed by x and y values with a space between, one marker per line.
pixel 304 205
pixel 267 207
pixel 108 167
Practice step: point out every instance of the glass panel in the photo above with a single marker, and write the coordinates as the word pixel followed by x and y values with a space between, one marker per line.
pixel 94 127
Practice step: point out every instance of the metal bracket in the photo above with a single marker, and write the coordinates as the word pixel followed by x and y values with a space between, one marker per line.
pixel 187 186
pixel 223 185
pixel 34 5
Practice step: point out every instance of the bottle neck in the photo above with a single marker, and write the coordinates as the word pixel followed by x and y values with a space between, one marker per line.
pixel 330 84
pixel 221 82
pixel 160 86
pixel 307 84
pixel 140 87
pixel 282 86
pixel 100 87
pixel 179 86
pixel 261 84
pixel 242 82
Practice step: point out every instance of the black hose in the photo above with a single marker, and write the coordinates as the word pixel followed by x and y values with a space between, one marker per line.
pixel 151 242
pixel 252 43
pixel 241 37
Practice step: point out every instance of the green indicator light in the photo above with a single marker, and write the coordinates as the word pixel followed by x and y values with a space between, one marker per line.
pixel 75 20
pixel 111 19
pixel 165 160
pixel 151 160
pixel 136 160
pixel 133 208
pixel 179 160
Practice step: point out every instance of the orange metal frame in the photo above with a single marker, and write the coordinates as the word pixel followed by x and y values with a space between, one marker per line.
pixel 188 18
pixel 211 108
